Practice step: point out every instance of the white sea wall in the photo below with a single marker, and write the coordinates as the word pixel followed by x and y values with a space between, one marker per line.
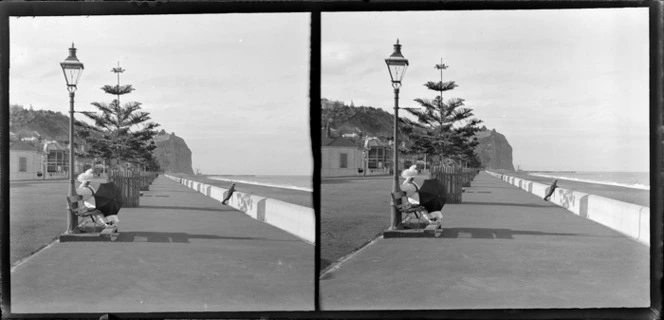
pixel 295 219
pixel 630 219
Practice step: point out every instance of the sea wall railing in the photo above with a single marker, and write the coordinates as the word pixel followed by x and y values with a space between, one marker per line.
pixel 294 219
pixel 630 219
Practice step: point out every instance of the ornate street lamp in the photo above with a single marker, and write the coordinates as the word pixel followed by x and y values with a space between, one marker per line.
pixel 396 64
pixel 72 69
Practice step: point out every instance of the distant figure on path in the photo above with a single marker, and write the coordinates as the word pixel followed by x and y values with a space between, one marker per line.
pixel 551 189
pixel 230 193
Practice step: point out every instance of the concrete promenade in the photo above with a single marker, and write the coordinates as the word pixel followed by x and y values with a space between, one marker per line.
pixel 501 248
pixel 179 251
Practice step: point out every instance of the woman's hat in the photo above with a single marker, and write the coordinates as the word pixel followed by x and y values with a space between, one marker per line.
pixel 85 176
pixel 410 172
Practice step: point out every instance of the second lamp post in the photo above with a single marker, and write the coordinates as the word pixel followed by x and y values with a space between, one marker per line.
pixel 397 65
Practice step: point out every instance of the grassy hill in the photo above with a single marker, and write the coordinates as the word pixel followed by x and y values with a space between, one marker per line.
pixel 48 124
pixel 367 120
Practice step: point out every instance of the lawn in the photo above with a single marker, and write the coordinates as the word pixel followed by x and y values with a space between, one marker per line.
pixel 38 214
pixel 353 211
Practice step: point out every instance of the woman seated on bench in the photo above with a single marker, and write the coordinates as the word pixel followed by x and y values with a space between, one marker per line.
pixel 88 192
pixel 411 188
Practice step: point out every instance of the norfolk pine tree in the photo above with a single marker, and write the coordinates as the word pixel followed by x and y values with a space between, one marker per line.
pixel 122 133
pixel 443 128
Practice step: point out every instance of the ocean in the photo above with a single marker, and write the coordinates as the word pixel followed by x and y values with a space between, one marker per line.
pixel 300 183
pixel 634 180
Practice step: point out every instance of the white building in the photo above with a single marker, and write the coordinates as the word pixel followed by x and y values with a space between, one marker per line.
pixel 340 157
pixel 25 161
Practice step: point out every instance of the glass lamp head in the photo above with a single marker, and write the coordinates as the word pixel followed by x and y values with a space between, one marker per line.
pixel 72 69
pixel 396 65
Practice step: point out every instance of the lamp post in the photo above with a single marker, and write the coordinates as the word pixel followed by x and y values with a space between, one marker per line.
pixel 72 69
pixel 396 65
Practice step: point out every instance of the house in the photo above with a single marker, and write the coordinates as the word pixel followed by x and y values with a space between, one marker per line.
pixel 25 161
pixel 327 104
pixel 351 136
pixel 32 136
pixel 378 156
pixel 57 158
pixel 340 157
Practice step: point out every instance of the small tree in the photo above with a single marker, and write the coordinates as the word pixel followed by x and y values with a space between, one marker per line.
pixel 443 128
pixel 121 133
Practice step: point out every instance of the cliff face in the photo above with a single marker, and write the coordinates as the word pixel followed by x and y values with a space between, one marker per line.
pixel 173 153
pixel 494 151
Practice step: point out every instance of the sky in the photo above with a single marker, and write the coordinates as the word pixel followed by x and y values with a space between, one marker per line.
pixel 568 88
pixel 235 87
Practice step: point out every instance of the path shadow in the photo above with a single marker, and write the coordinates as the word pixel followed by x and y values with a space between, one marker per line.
pixel 158 189
pixel 497 233
pixel 510 204
pixel 220 209
pixel 336 181
pixel 340 180
pixel 177 237
pixel 488 186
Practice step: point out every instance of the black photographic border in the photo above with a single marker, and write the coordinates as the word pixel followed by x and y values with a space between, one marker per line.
pixel 315 8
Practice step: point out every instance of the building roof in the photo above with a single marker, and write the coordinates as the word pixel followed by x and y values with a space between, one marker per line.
pixel 22 145
pixel 337 142
pixel 374 142
pixel 53 146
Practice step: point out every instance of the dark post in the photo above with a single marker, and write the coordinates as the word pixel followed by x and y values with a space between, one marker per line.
pixel 396 214
pixel 72 220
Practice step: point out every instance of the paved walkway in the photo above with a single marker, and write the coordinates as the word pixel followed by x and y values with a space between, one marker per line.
pixel 501 248
pixel 179 251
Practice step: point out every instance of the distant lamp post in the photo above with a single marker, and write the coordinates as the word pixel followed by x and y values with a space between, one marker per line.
pixel 396 64
pixel 72 69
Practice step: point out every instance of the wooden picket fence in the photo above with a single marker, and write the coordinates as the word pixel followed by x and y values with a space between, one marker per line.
pixel 454 179
pixel 146 179
pixel 131 183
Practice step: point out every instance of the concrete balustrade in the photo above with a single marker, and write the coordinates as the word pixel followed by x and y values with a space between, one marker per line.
pixel 281 215
pixel 295 219
pixel 630 219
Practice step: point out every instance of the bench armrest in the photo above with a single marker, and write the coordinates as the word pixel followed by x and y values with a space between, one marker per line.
pixel 87 212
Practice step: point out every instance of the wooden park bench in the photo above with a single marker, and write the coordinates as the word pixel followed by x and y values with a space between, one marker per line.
pixel 89 224
pixel 407 209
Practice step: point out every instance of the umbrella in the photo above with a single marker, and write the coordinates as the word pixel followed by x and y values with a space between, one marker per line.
pixel 432 195
pixel 108 199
